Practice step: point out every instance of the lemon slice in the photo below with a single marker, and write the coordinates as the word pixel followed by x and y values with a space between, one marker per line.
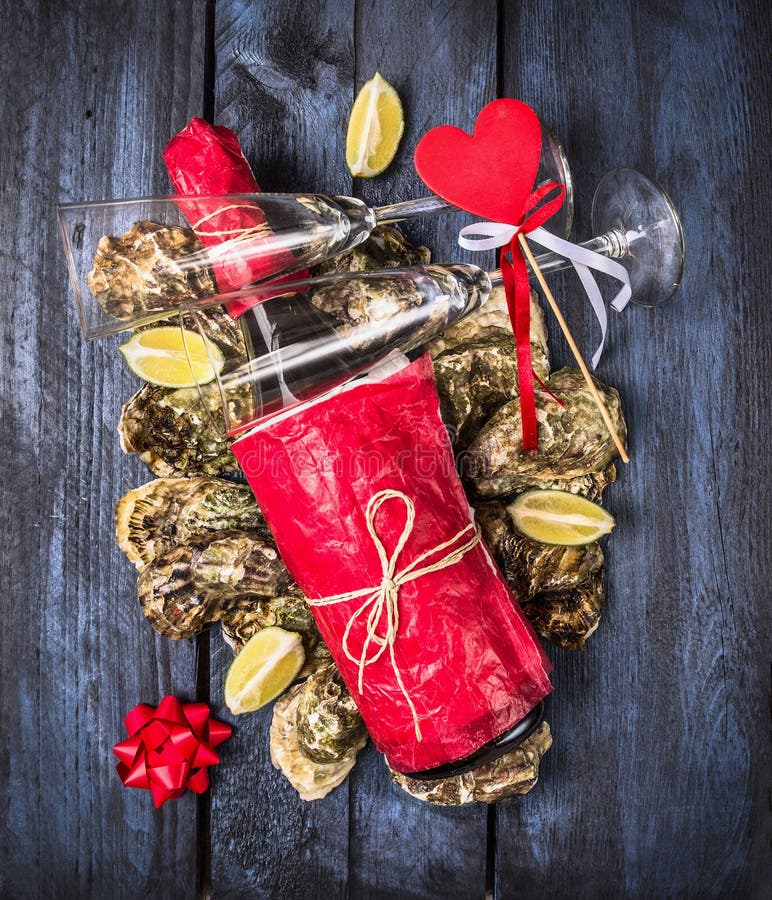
pixel 374 129
pixel 557 517
pixel 172 357
pixel 265 667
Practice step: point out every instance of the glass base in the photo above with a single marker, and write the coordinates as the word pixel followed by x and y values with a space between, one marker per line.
pixel 641 213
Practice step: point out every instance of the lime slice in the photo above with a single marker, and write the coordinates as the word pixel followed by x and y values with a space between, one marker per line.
pixel 557 517
pixel 172 357
pixel 266 666
pixel 374 129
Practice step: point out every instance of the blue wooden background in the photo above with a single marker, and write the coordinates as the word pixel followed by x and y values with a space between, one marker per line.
pixel 658 782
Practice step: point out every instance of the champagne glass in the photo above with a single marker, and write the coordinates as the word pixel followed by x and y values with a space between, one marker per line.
pixel 305 337
pixel 132 262
pixel 637 224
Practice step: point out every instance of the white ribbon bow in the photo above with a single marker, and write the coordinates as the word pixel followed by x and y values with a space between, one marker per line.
pixel 499 234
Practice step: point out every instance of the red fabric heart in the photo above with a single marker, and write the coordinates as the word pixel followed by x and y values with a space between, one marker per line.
pixel 491 172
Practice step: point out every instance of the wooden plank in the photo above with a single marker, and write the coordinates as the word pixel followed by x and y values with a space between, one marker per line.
pixel 658 780
pixel 90 100
pixel 284 83
pixel 441 58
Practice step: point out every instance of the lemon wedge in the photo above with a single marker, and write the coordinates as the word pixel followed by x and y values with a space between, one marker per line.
pixel 172 357
pixel 558 517
pixel 374 129
pixel 265 667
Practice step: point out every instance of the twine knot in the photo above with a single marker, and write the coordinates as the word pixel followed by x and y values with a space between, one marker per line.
pixel 381 605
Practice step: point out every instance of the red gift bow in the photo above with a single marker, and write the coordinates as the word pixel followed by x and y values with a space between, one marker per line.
pixel 518 293
pixel 169 748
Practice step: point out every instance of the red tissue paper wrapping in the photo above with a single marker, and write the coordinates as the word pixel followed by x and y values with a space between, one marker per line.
pixel 207 159
pixel 468 659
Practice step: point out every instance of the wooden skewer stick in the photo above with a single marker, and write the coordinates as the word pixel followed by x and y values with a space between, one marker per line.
pixel 574 349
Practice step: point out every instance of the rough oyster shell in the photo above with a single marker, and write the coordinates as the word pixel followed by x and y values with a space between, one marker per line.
pixel 289 612
pixel 328 721
pixel 221 328
pixel 353 304
pixel 475 364
pixel 573 440
pixel 590 485
pixel 530 567
pixel 163 513
pixel 568 617
pixel 173 433
pixel 145 269
pixel 514 773
pixel 386 248
pixel 475 379
pixel 312 780
pixel 197 583
pixel 493 319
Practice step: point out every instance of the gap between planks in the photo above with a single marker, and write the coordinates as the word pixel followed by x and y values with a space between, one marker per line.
pixel 203 645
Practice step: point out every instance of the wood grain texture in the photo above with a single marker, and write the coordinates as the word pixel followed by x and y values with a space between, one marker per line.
pixel 284 83
pixel 89 98
pixel 657 784
pixel 658 781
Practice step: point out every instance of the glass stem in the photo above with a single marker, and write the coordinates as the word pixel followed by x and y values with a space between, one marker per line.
pixel 410 209
pixel 612 244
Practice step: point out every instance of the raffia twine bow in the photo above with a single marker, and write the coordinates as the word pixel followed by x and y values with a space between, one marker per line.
pixel 230 237
pixel 382 600
pixel 169 748
pixel 517 289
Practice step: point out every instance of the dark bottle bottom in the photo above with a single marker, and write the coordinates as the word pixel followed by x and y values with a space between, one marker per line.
pixel 504 743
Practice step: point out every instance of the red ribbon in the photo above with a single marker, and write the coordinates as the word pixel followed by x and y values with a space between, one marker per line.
pixel 518 293
pixel 169 748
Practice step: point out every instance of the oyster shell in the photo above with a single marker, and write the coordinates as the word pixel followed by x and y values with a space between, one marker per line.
pixel 475 379
pixel 312 780
pixel 328 721
pixel 290 612
pixel 530 567
pixel 514 773
pixel 590 485
pixel 173 431
pixel 568 617
pixel 197 583
pixel 386 248
pixel 220 328
pixel 492 319
pixel 573 440
pixel 174 434
pixel 353 304
pixel 367 314
pixel 475 364
pixel 148 267
pixel 163 513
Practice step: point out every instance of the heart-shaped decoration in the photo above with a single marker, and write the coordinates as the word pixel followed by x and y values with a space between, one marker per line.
pixel 490 173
